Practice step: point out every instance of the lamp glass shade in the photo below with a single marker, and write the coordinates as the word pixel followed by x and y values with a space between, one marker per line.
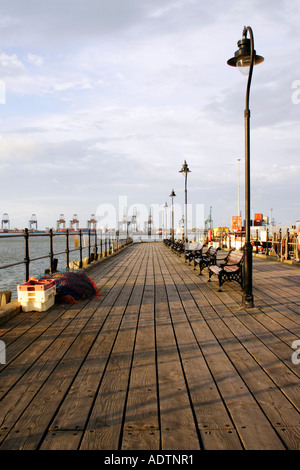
pixel 244 69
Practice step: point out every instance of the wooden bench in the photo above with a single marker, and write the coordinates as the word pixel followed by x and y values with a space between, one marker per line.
pixel 207 258
pixel 229 270
pixel 178 247
pixel 193 250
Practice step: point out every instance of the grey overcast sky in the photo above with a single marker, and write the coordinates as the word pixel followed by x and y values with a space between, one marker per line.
pixel 103 99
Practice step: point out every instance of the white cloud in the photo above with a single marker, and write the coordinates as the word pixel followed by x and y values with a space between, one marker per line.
pixel 35 59
pixel 10 61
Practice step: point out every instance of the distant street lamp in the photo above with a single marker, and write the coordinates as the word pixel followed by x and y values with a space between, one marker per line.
pixel 172 195
pixel 246 56
pixel 127 231
pixel 185 170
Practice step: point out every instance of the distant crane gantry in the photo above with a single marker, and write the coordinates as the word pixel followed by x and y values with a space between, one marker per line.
pixel 92 223
pixel 33 225
pixel 74 223
pixel 5 224
pixel 133 221
pixel 61 223
pixel 123 222
pixel 209 221
pixel 150 222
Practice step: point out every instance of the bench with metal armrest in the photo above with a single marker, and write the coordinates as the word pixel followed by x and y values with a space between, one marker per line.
pixel 206 259
pixel 230 269
pixel 193 250
pixel 177 247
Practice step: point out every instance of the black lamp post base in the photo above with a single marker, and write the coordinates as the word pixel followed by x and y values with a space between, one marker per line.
pixel 247 300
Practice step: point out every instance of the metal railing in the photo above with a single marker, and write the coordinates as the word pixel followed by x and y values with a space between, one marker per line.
pixel 97 247
pixel 284 246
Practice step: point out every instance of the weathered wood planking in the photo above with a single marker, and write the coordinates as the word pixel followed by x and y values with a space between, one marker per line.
pixel 49 388
pixel 105 422
pixel 141 430
pixel 178 429
pixel 77 405
pixel 237 397
pixel 213 420
pixel 163 361
pixel 273 401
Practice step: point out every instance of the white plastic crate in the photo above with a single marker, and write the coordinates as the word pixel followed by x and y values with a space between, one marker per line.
pixel 36 300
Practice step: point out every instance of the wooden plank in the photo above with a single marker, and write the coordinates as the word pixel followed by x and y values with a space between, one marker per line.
pixel 178 428
pixel 273 402
pixel 141 424
pixel 104 426
pixel 34 344
pixel 76 407
pixel 62 440
pixel 47 382
pixel 249 420
pixel 24 334
pixel 213 420
pixel 45 401
pixel 161 361
pixel 279 410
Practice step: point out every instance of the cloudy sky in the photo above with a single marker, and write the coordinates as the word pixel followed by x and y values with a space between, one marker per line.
pixel 105 99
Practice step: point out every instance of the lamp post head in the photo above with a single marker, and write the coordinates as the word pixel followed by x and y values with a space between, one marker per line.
pixel 172 194
pixel 242 57
pixel 185 168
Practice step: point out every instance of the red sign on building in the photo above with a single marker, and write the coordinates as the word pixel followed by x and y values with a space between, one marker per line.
pixel 236 223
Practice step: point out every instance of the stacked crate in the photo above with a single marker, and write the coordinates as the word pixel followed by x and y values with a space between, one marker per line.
pixel 36 295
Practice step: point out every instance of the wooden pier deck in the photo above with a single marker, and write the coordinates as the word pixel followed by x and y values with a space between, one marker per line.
pixel 162 361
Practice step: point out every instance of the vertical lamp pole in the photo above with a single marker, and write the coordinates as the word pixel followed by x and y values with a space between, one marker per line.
pixel 127 231
pixel 185 170
pixel 172 195
pixel 239 206
pixel 166 229
pixel 246 56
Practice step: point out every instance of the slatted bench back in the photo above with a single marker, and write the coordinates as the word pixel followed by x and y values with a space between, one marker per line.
pixel 234 257
pixel 211 252
pixel 194 246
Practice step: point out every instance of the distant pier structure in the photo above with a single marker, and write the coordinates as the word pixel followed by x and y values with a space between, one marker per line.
pixel 74 223
pixel 33 225
pixel 92 223
pixel 5 223
pixel 61 222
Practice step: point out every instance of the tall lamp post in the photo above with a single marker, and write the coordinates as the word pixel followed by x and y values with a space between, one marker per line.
pixel 127 231
pixel 185 170
pixel 246 56
pixel 165 215
pixel 172 195
pixel 239 205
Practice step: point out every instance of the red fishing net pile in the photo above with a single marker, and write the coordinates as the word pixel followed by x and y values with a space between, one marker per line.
pixel 72 287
